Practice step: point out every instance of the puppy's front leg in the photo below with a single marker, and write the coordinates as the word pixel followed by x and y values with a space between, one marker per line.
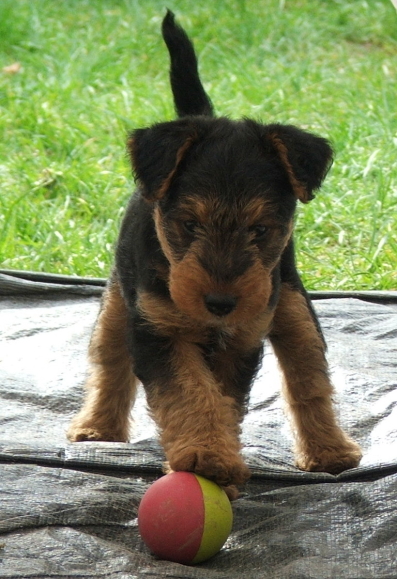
pixel 199 426
pixel 111 386
pixel 299 346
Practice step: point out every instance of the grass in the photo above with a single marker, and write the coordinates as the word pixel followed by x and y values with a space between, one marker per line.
pixel 90 71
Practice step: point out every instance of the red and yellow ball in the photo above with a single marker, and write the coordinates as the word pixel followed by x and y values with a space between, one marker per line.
pixel 185 518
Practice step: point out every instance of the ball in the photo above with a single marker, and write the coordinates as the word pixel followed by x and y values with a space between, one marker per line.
pixel 185 518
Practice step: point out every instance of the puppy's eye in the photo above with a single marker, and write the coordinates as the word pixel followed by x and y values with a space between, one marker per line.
pixel 191 226
pixel 259 231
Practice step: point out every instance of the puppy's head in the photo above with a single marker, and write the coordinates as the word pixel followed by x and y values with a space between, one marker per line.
pixel 223 196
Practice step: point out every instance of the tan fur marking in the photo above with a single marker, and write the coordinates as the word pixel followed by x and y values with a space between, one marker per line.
pixel 321 444
pixel 189 283
pixel 256 211
pixel 167 319
pixel 299 189
pixel 197 208
pixel 111 386
pixel 253 290
pixel 161 236
pixel 179 156
pixel 259 212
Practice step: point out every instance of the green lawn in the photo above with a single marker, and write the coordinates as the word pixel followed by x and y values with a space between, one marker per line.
pixel 90 70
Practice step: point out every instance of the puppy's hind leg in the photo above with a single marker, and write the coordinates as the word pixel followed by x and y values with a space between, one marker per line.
pixel 111 386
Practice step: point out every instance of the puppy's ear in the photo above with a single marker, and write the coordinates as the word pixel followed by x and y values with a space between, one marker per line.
pixel 307 158
pixel 156 153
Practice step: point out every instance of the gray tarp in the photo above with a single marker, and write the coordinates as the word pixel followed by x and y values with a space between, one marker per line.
pixel 70 510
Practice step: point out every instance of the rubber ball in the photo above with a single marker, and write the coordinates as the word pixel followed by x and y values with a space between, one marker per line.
pixel 185 518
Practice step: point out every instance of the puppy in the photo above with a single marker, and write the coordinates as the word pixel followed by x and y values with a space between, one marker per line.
pixel 204 272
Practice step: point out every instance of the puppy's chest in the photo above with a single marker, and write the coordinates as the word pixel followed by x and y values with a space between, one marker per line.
pixel 217 343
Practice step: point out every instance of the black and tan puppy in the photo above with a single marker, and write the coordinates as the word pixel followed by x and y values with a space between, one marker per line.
pixel 204 272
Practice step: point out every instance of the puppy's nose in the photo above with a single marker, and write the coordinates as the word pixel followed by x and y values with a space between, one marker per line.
pixel 220 304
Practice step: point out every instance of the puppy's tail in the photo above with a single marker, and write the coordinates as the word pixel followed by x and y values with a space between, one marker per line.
pixel 189 95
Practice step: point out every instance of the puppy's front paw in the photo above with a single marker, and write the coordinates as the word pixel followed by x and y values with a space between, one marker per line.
pixel 231 490
pixel 333 458
pixel 224 469
pixel 86 429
